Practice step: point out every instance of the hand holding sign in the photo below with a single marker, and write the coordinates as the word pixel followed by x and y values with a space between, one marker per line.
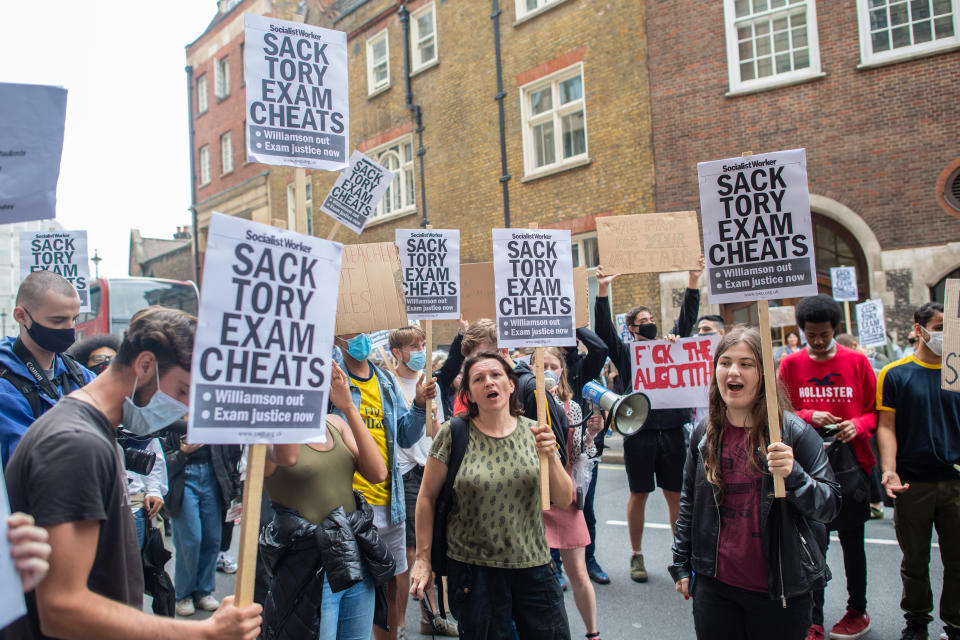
pixel 340 389
pixel 426 389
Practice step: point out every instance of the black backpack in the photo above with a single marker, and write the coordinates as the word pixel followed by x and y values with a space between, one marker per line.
pixel 854 486
pixel 29 389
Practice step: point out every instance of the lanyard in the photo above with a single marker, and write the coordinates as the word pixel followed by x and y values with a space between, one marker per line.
pixel 21 351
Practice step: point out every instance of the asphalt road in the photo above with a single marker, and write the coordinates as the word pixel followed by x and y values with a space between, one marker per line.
pixel 654 610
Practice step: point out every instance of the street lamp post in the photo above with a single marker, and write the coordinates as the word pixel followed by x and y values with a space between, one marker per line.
pixel 96 259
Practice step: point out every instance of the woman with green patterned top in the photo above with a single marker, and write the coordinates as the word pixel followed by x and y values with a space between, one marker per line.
pixel 498 557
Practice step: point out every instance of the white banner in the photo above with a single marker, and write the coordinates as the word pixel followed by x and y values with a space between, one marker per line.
pixel 843 281
pixel 871 325
pixel 674 375
pixel 12 605
pixel 31 142
pixel 261 359
pixel 533 276
pixel 298 110
pixel 430 259
pixel 757 231
pixel 63 252
pixel 357 192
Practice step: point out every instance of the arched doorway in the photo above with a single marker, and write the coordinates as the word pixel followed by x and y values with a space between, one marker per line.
pixel 936 291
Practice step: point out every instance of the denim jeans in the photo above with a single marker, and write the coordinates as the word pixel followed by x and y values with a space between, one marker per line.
pixel 140 520
pixel 348 614
pixel 196 533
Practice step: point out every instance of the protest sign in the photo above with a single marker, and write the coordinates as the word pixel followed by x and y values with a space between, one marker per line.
pixel 371 289
pixel 871 327
pixel 31 142
pixel 674 375
pixel 261 359
pixel 783 316
pixel 621 322
pixel 533 274
pixel 298 110
pixel 430 259
pixel 843 281
pixel 477 278
pixel 357 192
pixel 757 231
pixel 950 372
pixel 649 242
pixel 12 605
pixel 63 252
pixel 582 289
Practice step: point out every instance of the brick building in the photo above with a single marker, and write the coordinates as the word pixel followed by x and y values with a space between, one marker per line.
pixel 170 258
pixel 869 89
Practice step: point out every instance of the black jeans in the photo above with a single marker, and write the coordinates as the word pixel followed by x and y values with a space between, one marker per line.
pixel 589 514
pixel 488 601
pixel 723 612
pixel 855 569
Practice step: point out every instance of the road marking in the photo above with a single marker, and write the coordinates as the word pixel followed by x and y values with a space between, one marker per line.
pixel 833 537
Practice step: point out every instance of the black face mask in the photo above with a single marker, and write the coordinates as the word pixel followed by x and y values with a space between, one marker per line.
pixel 100 367
pixel 55 340
pixel 648 331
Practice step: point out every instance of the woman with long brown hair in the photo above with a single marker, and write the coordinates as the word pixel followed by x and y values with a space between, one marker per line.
pixel 753 560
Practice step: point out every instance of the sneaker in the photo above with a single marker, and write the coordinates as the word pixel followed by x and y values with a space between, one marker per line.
pixel 638 572
pixel 852 625
pixel 185 608
pixel 226 564
pixel 402 633
pixel 876 511
pixel 439 627
pixel 913 632
pixel 815 632
pixel 208 603
pixel 596 574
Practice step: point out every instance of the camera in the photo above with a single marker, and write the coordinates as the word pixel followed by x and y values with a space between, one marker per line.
pixel 135 456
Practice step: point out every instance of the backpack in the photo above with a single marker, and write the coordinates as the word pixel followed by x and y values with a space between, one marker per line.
pixel 30 391
pixel 854 486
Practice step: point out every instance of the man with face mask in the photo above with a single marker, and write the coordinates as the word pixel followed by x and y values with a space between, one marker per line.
pixel 68 474
pixel 394 424
pixel 34 371
pixel 919 444
pixel 654 456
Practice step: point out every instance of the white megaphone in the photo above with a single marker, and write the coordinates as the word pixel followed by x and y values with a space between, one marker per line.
pixel 629 412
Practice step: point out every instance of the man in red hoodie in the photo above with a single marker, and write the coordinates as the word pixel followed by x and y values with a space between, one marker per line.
pixel 834 389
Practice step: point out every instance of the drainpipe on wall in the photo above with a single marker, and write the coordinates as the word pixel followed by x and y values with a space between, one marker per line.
pixel 404 15
pixel 193 176
pixel 504 176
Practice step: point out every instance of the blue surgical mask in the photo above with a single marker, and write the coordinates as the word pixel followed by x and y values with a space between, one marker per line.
pixel 417 361
pixel 359 347
pixel 159 413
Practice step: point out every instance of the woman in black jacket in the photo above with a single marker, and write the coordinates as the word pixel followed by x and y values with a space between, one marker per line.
pixel 753 560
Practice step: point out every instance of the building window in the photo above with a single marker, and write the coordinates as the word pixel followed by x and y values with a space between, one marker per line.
pixel 309 208
pixel 202 99
pixel 221 77
pixel 204 165
pixel 893 29
pixel 378 63
pixel 292 207
pixel 424 36
pixel 586 251
pixel 397 156
pixel 770 42
pixel 938 291
pixel 226 152
pixel 526 7
pixel 554 121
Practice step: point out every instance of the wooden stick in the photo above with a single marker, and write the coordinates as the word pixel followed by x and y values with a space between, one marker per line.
pixel 250 525
pixel 333 231
pixel 428 373
pixel 300 210
pixel 770 383
pixel 542 419
pixel 846 315
pixel 783 337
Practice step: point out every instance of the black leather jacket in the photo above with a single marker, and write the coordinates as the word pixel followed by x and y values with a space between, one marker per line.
pixel 791 529
pixel 297 554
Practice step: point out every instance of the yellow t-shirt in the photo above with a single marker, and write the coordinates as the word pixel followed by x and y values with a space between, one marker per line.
pixel 371 409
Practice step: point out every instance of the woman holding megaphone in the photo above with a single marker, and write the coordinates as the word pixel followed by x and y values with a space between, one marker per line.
pixel 750 561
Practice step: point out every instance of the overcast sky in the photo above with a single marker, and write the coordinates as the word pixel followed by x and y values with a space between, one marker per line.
pixel 126 150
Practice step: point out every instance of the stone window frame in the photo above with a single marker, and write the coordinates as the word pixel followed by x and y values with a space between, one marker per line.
pixel 523 11
pixel 418 63
pixel 865 9
pixel 784 8
pixel 203 97
pixel 221 77
pixel 204 163
pixel 226 153
pixel 372 87
pixel 401 151
pixel 556 112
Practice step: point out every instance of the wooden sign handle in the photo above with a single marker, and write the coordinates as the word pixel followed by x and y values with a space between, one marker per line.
pixel 428 377
pixel 770 384
pixel 333 231
pixel 542 419
pixel 846 315
pixel 250 525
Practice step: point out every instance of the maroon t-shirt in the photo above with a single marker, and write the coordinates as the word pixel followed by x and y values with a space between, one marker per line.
pixel 740 561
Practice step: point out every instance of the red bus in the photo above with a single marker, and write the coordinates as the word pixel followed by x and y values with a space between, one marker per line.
pixel 113 301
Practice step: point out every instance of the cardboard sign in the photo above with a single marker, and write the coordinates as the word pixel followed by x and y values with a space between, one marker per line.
pixel 582 289
pixel 950 371
pixel 649 242
pixel 871 327
pixel 533 275
pixel 757 231
pixel 357 192
pixel 480 302
pixel 12 604
pixel 674 375
pixel 63 252
pixel 843 281
pixel 31 142
pixel 430 259
pixel 261 359
pixel 371 289
pixel 783 316
pixel 298 110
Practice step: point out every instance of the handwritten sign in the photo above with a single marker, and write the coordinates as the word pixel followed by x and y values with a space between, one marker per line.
pixel 371 289
pixel 649 242
pixel 674 375
pixel 582 289
pixel 950 372
pixel 871 327
pixel 357 192
pixel 843 281
pixel 783 316
pixel 430 259
pixel 477 279
pixel 62 252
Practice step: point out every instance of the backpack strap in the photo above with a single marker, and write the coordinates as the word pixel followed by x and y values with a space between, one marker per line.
pixel 460 437
pixel 25 387
pixel 73 369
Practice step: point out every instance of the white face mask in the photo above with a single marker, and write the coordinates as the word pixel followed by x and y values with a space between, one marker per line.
pixel 935 343
pixel 160 412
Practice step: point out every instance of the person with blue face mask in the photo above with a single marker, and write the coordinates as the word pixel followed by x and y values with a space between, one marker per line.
pixel 68 474
pixel 394 424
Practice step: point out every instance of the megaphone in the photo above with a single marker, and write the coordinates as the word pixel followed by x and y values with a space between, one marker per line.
pixel 629 412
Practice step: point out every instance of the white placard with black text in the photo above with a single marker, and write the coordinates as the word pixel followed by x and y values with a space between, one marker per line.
pixel 357 192
pixel 63 252
pixel 430 260
pixel 843 281
pixel 261 359
pixel 871 324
